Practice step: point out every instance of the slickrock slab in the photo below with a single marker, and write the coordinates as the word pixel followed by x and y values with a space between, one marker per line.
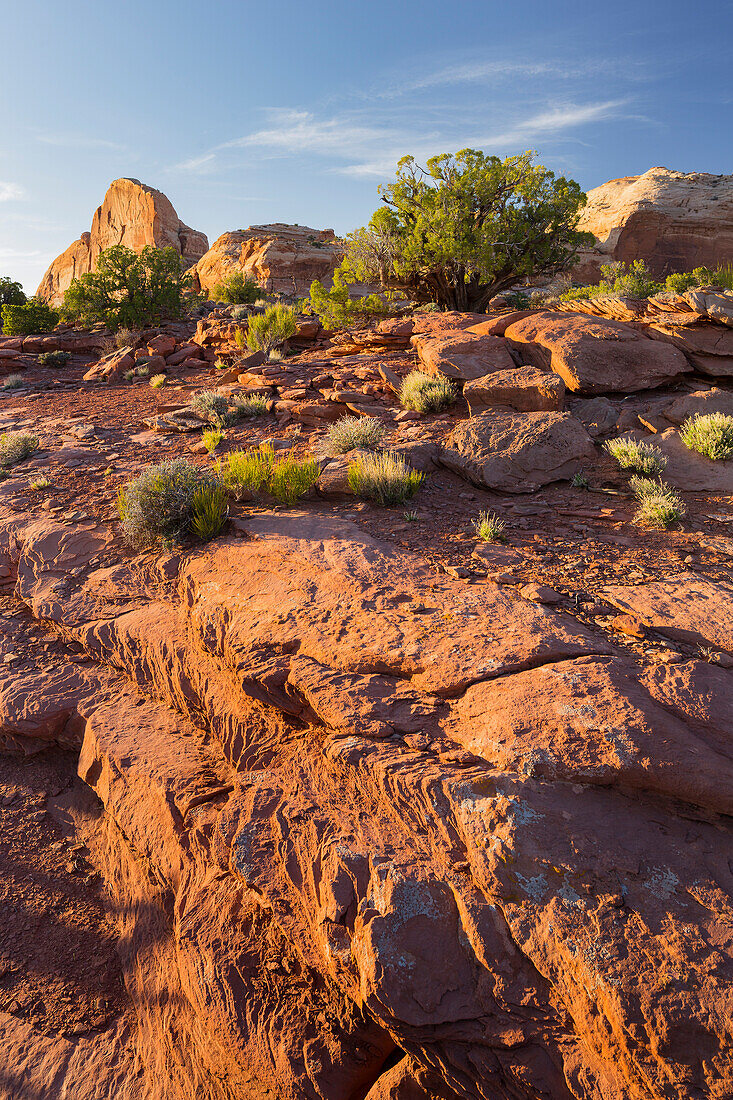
pixel 595 355
pixel 517 452
pixel 709 347
pixel 686 607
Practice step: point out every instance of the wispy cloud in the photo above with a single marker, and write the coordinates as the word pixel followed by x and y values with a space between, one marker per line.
pixel 10 191
pixel 196 165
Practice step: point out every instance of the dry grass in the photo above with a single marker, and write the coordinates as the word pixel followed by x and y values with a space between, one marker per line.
pixel 384 478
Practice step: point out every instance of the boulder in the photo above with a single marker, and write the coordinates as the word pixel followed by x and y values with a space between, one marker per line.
pixel 462 356
pixel 183 352
pixel 111 367
pixel 707 345
pixel 525 389
pixel 597 415
pixel 698 403
pixel 674 221
pixel 517 452
pixel 132 214
pixel 595 355
pixel 162 345
pixel 281 258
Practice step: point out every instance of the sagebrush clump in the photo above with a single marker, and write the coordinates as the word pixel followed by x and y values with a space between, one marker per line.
pixel 710 434
pixel 427 392
pixel 164 502
pixel 54 358
pixel 384 478
pixel 352 432
pixel 267 331
pixel 15 447
pixel 641 457
pixel 13 382
pixel 214 406
pixel 659 504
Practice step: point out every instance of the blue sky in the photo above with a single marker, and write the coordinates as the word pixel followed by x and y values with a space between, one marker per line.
pixel 245 113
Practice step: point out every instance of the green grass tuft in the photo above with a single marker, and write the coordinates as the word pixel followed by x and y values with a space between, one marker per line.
pixel 489 527
pixel 352 432
pixel 384 478
pixel 15 447
pixel 427 393
pixel 659 504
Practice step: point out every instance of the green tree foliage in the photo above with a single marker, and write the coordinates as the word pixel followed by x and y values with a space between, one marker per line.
pixel 11 293
pixel 337 309
pixel 466 227
pixel 31 317
pixel 618 280
pixel 128 288
pixel 237 290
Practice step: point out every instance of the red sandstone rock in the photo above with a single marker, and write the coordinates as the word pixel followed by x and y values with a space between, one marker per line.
pixel 517 452
pixel 111 367
pixel 595 355
pixel 462 356
pixel 525 389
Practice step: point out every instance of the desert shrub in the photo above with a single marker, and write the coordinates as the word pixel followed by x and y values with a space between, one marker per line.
pixel 680 281
pixel 157 381
pixel 12 382
pixel 384 478
pixel 125 338
pixel 658 504
pixel 240 313
pixel 286 478
pixel 30 318
pixel 211 438
pixel 54 358
pixel 160 504
pixel 39 483
pixel 619 280
pixel 129 289
pixel 142 371
pixel 518 300
pixel 213 405
pixel 489 527
pixel 237 290
pixel 247 408
pixel 711 434
pixel 350 432
pixel 632 455
pixel 209 510
pixel 268 330
pixel 427 392
pixel 579 480
pixel 15 447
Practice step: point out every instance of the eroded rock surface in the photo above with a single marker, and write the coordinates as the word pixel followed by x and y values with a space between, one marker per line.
pixel 375 832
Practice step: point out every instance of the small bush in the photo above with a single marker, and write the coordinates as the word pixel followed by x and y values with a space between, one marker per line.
pixel 39 483
pixel 427 392
pixel 351 432
pixel 268 330
pixel 247 408
pixel 157 381
pixel 489 527
pixel 125 338
pixel 240 313
pixel 286 478
pixel 579 480
pixel 618 280
pixel 13 382
pixel 240 339
pixel 129 375
pixel 33 317
pixel 641 457
pixel 209 511
pixel 213 405
pixel 659 505
pixel 142 371
pixel 211 438
pixel 237 290
pixel 160 504
pixel 54 358
pixel 384 478
pixel 710 434
pixel 15 447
